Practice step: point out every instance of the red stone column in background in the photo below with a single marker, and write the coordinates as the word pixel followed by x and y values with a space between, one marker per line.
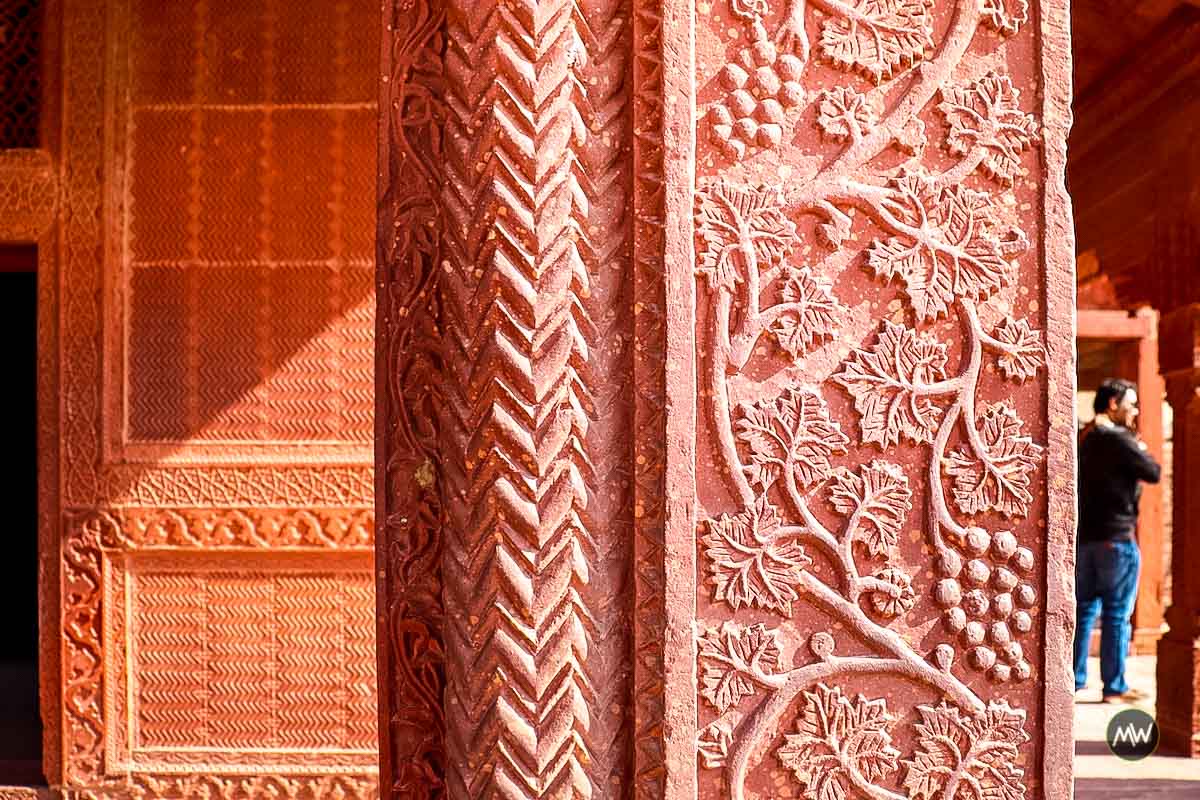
pixel 1141 360
pixel 725 426
pixel 1178 705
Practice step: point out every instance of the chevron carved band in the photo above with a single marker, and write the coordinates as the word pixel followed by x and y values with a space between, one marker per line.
pixel 507 272
pixel 536 265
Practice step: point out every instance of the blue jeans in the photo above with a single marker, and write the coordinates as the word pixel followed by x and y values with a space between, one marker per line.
pixel 1106 578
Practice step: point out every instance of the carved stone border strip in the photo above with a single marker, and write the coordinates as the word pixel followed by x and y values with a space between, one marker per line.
pixel 410 611
pixel 28 195
pixel 649 295
pixel 1058 259
pixel 48 412
pixel 90 540
pixel 67 330
pixel 23 793
pixel 85 30
pixel 679 149
pixel 210 529
pixel 280 486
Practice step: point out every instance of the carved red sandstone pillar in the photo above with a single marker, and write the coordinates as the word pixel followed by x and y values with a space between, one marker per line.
pixel 724 445
pixel 1178 702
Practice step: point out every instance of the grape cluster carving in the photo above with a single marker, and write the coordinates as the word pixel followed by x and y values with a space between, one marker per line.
pixel 946 241
pixel 761 88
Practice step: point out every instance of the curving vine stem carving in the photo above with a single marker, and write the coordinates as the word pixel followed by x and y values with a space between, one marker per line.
pixel 411 652
pixel 945 235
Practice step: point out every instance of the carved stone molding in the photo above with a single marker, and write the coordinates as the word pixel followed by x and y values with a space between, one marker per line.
pixel 28 194
pixel 23 793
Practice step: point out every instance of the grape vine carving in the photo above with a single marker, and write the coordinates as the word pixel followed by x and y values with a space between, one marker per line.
pixel 945 240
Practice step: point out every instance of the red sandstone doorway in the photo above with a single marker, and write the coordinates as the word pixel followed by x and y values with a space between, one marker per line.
pixel 1121 344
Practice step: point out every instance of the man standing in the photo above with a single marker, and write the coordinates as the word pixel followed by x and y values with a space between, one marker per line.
pixel 1112 461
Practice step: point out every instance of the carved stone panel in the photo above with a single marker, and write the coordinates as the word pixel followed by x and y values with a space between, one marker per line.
pixel 240 285
pixel 755 313
pixel 882 455
pixel 212 648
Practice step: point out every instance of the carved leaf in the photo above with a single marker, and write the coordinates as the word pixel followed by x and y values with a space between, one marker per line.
pixel 815 314
pixel 1005 16
pixel 878 36
pixel 729 659
pixel 1001 480
pixel 985 113
pixel 884 381
pixel 838 738
pixel 881 497
pixel 980 750
pixel 949 250
pixel 750 563
pixel 1026 353
pixel 741 229
pixel 790 434
pixel 836 231
pixel 845 114
pixel 713 744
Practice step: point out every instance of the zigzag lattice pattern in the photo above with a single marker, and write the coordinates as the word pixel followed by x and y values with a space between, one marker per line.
pixel 233 660
pixel 537 549
pixel 173 684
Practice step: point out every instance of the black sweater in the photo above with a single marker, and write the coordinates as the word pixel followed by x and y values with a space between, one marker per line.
pixel 1110 466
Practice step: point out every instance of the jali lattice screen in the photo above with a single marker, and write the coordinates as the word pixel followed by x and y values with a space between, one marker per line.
pixel 246 239
pixel 20 72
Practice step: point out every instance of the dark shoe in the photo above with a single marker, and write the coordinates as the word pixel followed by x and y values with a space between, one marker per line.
pixel 1131 696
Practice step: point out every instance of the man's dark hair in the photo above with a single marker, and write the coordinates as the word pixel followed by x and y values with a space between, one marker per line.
pixel 1111 389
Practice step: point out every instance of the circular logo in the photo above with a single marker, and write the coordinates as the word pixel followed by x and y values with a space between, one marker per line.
pixel 1132 734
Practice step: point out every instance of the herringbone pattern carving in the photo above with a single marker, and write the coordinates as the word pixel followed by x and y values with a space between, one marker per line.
pixel 173 682
pixel 277 352
pixel 536 318
pixel 358 666
pixel 313 695
pixel 233 660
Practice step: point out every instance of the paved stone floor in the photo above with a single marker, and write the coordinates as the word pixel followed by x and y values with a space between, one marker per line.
pixel 1099 775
